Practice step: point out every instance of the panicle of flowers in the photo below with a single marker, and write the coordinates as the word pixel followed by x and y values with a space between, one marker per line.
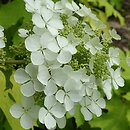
pixel 70 62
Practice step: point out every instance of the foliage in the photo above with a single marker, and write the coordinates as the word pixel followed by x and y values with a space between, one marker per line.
pixel 109 10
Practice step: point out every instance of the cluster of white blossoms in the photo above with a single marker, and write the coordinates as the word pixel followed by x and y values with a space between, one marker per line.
pixel 2 43
pixel 70 63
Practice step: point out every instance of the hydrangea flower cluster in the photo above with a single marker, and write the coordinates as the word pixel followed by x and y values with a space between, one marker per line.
pixel 70 63
pixel 2 43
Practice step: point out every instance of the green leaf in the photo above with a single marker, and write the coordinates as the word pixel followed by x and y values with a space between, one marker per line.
pixel 79 119
pixel 115 118
pixel 4 125
pixel 124 65
pixel 6 102
pixel 10 13
pixel 116 3
pixel 7 73
pixel 128 116
pixel 127 96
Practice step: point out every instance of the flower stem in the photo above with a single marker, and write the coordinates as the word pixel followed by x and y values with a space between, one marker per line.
pixel 13 62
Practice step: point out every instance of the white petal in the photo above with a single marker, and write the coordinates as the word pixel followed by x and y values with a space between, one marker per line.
pixel 68 103
pixel 71 84
pixel 60 77
pixel 51 88
pixel 46 38
pixel 62 41
pixel 26 121
pixel 27 102
pixel 73 6
pixel 56 23
pixel 71 49
pixel 27 89
pixel 61 122
pixel 49 101
pixel 46 14
pixel 2 43
pixel 101 102
pixel 37 58
pixel 23 33
pixel 49 55
pixel 43 74
pixel 38 31
pixel 75 96
pixel 16 111
pixel 60 96
pixel 114 34
pixel 33 112
pixel 50 122
pixel 32 43
pixel 120 81
pixel 1 28
pixel 42 114
pixel 52 30
pixel 1 34
pixel 69 6
pixel 96 95
pixel 107 88
pixel 86 113
pixel 53 47
pixel 38 21
pixel 64 57
pixel 38 86
pixel 58 110
pixel 115 84
pixel 32 70
pixel 95 109
pixel 21 76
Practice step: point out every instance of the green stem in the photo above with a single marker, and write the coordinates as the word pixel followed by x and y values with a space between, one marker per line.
pixel 13 62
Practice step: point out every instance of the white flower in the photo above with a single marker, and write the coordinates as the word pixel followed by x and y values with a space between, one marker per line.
pixel 23 33
pixel 73 40
pixel 48 19
pixel 114 34
pixel 27 111
pixel 89 85
pixel 67 50
pixel 2 43
pixel 92 104
pixel 51 111
pixel 88 30
pixel 60 7
pixel 84 11
pixel 93 45
pixel 43 74
pixel 84 110
pixel 38 46
pixel 117 80
pixel 72 20
pixel 28 79
pixel 72 6
pixel 34 5
pixel 70 91
pixel 66 74
pixel 114 56
pixel 68 97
